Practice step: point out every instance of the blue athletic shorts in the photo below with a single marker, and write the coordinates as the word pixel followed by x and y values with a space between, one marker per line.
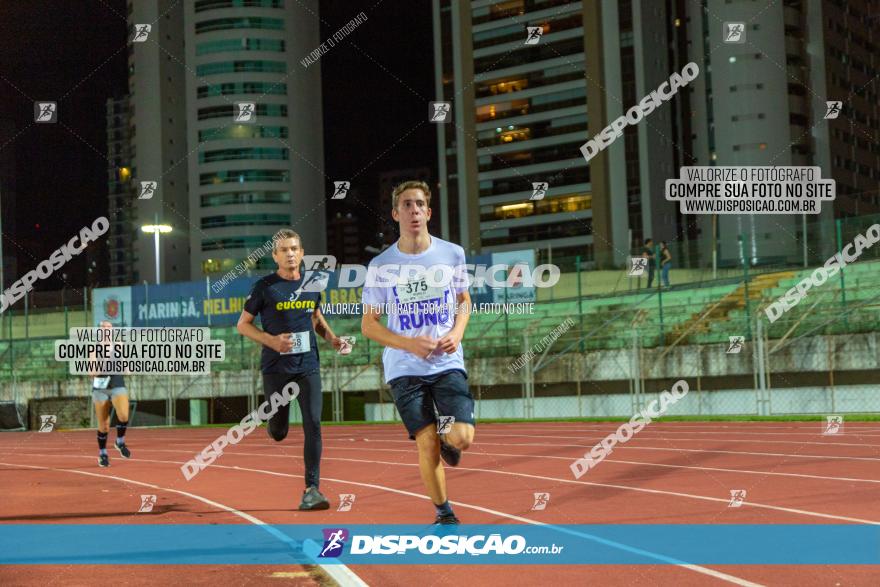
pixel 415 398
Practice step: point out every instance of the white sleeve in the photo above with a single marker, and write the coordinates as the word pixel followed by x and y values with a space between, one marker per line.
pixel 460 280
pixel 374 294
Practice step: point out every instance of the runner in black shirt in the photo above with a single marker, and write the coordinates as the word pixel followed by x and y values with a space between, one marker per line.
pixel 288 304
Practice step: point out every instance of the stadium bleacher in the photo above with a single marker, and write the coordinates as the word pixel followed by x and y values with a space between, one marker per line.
pixel 691 314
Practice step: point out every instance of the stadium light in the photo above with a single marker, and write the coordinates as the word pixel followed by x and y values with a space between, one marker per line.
pixel 156 229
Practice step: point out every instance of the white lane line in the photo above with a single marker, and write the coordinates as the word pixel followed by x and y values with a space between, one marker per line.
pixel 396 438
pixel 661 448
pixel 201 445
pixel 662 558
pixel 607 460
pixel 329 430
pixel 628 488
pixel 668 430
pixel 645 436
pixel 569 459
pixel 342 575
pixel 528 475
pixel 804 425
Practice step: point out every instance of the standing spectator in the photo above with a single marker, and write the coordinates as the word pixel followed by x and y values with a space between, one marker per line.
pixel 648 253
pixel 665 264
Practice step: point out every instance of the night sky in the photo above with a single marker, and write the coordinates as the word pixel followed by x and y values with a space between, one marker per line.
pixel 376 85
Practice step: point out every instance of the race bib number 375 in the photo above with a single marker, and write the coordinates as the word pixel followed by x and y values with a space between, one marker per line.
pixel 417 290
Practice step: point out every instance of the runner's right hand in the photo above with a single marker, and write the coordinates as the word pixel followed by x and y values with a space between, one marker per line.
pixel 282 343
pixel 422 346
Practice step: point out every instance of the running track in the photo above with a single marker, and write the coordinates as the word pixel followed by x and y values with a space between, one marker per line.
pixel 669 473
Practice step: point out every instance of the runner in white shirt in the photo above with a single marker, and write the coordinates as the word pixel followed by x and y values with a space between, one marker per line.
pixel 423 291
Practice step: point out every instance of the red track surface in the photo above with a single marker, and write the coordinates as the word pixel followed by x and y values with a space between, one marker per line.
pixel 669 473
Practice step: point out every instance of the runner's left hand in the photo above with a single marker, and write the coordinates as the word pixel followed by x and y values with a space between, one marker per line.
pixel 449 343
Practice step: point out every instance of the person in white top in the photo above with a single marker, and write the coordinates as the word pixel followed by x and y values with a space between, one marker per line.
pixel 108 391
pixel 420 283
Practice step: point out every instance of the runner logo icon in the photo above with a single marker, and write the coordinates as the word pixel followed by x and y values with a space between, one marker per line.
pixel 737 496
pixel 334 542
pixel 147 503
pixel 539 190
pixel 47 423
pixel 444 424
pixel 141 33
pixel 534 35
pixel 736 345
pixel 346 500
pixel 833 425
pixel 639 264
pixel 541 501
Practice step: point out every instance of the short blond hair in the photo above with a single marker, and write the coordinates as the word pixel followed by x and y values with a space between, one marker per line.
pixel 410 185
pixel 285 233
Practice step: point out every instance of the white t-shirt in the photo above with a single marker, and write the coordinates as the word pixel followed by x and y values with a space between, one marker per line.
pixel 418 294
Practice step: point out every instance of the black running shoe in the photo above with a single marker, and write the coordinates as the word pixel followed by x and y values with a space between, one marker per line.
pixel 313 500
pixel 447 520
pixel 103 461
pixel 451 455
pixel 123 450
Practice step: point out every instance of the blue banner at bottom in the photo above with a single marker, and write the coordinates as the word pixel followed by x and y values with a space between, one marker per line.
pixel 246 544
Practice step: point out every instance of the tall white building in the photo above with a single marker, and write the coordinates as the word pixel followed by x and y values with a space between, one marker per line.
pixel 225 184
pixel 523 109
pixel 763 102
pixel 120 240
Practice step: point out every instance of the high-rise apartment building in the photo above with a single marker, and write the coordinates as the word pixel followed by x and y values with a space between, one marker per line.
pixel 522 109
pixel 763 101
pixel 227 122
pixel 523 104
pixel 122 233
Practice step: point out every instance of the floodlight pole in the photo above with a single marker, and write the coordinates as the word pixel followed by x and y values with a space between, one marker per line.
pixel 156 247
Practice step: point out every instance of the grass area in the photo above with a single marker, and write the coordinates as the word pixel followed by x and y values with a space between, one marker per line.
pixel 868 417
pixel 873 417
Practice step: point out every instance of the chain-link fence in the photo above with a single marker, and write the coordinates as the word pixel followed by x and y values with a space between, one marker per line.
pixel 757 339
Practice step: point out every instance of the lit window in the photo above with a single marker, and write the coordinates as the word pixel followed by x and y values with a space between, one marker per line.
pixel 514 210
pixel 509 86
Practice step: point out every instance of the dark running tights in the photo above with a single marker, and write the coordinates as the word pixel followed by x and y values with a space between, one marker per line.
pixel 310 403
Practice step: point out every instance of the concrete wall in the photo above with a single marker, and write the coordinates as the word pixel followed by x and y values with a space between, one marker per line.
pixel 801 400
pixel 815 375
